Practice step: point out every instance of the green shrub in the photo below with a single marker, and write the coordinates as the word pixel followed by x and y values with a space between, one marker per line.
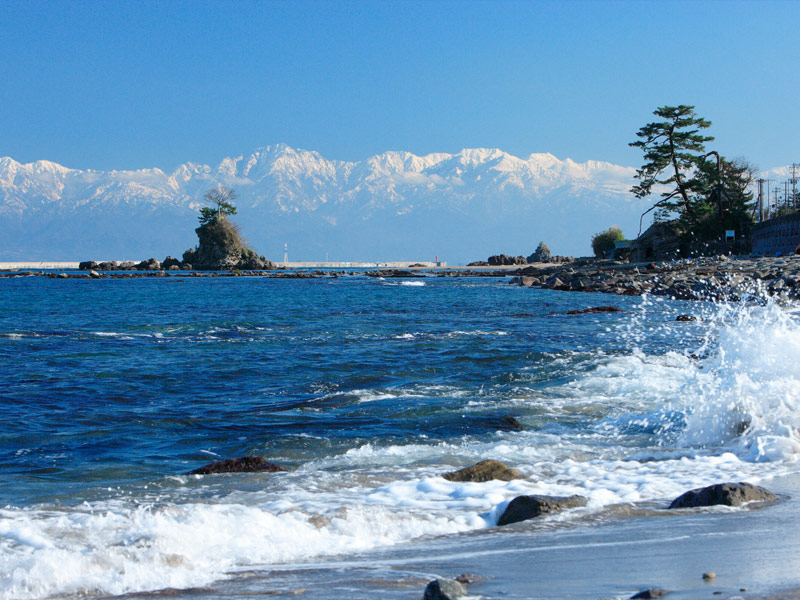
pixel 603 242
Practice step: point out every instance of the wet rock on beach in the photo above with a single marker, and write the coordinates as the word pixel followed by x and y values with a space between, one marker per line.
pixel 486 470
pixel 444 589
pixel 728 494
pixel 523 508
pixel 245 464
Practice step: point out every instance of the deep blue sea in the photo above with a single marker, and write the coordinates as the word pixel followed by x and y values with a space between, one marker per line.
pixel 366 390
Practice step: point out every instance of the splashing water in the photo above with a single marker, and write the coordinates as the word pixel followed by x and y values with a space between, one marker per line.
pixel 746 396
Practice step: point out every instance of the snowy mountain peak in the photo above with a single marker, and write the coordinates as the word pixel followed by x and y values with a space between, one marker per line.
pixel 393 205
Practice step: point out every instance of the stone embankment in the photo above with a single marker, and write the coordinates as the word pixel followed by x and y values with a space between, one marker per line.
pixel 690 279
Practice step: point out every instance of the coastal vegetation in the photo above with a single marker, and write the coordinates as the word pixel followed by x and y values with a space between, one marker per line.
pixel 703 193
pixel 603 242
pixel 220 200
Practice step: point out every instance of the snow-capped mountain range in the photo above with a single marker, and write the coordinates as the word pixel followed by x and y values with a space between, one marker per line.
pixel 393 206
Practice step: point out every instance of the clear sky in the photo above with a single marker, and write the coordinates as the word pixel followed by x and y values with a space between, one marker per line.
pixel 135 84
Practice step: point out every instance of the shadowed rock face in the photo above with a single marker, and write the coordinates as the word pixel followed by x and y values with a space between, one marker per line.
pixel 729 494
pixel 246 464
pixel 486 470
pixel 523 508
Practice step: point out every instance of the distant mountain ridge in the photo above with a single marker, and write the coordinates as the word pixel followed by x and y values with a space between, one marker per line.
pixel 392 206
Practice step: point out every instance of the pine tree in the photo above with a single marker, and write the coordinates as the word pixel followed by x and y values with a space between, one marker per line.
pixel 673 149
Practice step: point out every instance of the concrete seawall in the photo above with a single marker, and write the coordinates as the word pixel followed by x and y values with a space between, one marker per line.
pixel 781 234
pixel 13 266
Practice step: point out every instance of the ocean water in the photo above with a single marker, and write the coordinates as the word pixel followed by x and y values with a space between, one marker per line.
pixel 367 391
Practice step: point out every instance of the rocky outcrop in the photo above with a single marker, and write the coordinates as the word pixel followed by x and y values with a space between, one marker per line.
pixel 486 470
pixel 729 494
pixel 246 464
pixel 221 248
pixel 523 508
pixel 541 254
pixel 444 589
pixel 169 262
pixel 499 260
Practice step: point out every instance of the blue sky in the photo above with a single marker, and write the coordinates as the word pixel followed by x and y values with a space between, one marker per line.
pixel 126 85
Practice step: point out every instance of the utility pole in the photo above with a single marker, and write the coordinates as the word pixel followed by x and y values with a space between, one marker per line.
pixel 776 189
pixel 761 200
pixel 794 184
pixel 787 205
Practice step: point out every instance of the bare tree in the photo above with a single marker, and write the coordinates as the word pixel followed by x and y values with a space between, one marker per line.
pixel 220 197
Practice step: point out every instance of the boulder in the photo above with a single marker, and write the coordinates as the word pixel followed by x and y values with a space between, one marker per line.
pixel 651 593
pixel 245 464
pixel 444 589
pixel 729 494
pixel 523 508
pixel 486 470
pixel 169 262
pixel 88 265
pixel 151 264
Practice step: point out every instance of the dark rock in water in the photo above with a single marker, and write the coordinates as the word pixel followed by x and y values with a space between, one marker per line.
pixel 486 470
pixel 444 589
pixel 729 494
pixel 685 318
pixel 88 265
pixel 468 578
pixel 246 464
pixel 523 508
pixel 396 273
pixel 651 593
pixel 509 422
pixel 595 309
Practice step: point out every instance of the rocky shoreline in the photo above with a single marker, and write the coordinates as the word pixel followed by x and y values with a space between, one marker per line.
pixel 708 278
